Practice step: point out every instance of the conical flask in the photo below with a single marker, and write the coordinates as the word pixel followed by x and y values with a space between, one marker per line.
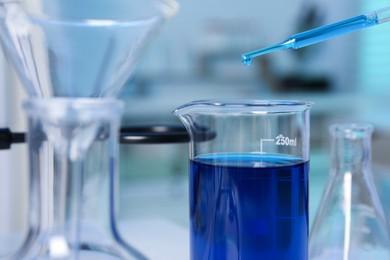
pixel 350 223
pixel 70 48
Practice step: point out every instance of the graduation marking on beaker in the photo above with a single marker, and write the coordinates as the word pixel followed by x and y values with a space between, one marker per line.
pixel 279 140
pixel 285 140
pixel 264 140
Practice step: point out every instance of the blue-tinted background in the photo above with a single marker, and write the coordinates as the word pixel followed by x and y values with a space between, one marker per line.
pixel 197 56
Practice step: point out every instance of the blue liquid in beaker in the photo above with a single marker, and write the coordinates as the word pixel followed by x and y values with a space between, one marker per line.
pixel 248 206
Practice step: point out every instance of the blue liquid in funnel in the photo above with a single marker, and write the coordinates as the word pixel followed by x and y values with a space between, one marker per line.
pixel 246 206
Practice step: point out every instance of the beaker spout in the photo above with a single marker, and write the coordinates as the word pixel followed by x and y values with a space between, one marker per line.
pixel 196 124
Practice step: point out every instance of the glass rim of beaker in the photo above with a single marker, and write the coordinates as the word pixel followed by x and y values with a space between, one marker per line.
pixel 101 107
pixel 266 106
pixel 351 130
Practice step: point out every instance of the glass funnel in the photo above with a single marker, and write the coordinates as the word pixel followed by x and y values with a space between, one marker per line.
pixel 63 131
pixel 350 223
pixel 249 166
pixel 71 48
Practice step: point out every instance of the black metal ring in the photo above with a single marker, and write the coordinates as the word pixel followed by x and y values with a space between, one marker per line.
pixel 157 134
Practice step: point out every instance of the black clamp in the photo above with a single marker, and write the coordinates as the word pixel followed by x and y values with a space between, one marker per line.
pixel 7 138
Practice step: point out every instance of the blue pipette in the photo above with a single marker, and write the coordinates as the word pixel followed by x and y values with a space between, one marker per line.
pixel 324 33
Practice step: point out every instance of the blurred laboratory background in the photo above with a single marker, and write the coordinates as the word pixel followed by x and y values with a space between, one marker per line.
pixel 196 55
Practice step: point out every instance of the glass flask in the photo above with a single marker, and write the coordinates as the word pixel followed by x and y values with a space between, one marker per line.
pixel 61 134
pixel 249 166
pixel 350 222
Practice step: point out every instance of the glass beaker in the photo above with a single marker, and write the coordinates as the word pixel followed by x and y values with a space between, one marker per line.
pixel 61 134
pixel 249 165
pixel 350 222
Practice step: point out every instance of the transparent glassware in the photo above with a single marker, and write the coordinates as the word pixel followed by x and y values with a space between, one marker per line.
pixel 249 171
pixel 61 132
pixel 68 48
pixel 350 222
pixel 73 49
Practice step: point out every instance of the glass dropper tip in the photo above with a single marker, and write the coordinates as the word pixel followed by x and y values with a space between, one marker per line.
pixel 246 60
